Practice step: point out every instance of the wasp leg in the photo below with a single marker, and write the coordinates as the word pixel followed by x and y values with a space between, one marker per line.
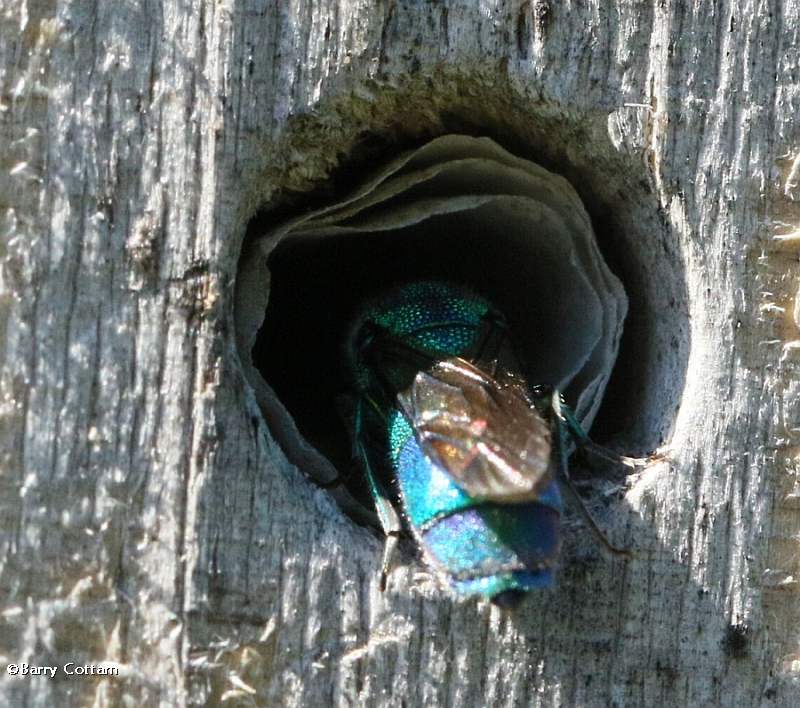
pixel 572 493
pixel 347 409
pixel 584 442
pixel 389 549
pixel 387 515
pixel 568 486
pixel 634 463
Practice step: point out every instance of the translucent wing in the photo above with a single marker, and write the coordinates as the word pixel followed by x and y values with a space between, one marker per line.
pixel 483 431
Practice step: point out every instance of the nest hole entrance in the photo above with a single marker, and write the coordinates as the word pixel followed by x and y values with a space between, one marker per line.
pixel 317 283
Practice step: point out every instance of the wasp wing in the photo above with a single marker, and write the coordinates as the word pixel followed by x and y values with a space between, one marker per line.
pixel 482 430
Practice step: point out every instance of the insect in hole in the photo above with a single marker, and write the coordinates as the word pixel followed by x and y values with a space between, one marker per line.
pixel 456 447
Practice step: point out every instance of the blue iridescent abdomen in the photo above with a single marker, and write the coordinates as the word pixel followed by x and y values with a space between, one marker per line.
pixel 485 548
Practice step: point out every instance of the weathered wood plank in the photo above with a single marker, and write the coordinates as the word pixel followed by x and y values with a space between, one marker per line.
pixel 147 517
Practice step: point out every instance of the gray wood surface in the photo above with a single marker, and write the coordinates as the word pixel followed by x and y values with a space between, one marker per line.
pixel 147 517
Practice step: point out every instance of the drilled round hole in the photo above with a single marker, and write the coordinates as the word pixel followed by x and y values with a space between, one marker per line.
pixel 318 273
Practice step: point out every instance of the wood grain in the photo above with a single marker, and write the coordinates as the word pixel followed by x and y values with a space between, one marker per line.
pixel 147 517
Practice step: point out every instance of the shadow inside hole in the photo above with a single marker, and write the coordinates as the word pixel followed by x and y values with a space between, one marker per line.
pixel 318 285
pixel 644 391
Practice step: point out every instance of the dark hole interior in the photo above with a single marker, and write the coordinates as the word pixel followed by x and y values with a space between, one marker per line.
pixel 300 348
pixel 317 285
pixel 626 394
